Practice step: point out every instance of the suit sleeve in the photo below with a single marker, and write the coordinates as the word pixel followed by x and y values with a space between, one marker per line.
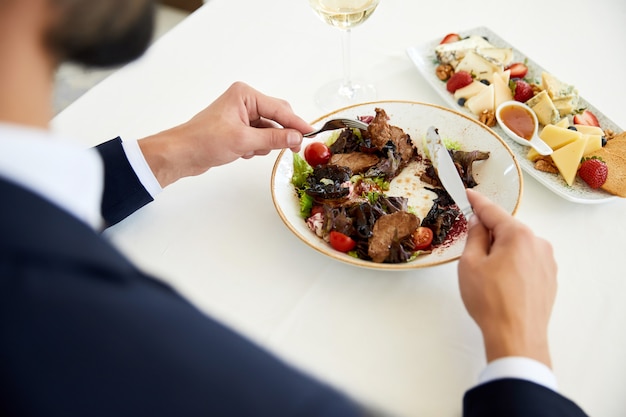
pixel 517 398
pixel 123 191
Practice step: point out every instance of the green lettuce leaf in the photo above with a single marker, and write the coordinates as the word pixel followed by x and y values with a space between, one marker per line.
pixel 301 170
pixel 306 204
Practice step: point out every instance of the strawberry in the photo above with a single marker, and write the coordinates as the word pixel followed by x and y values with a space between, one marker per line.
pixel 593 171
pixel 518 70
pixel 450 37
pixel 586 118
pixel 522 91
pixel 459 80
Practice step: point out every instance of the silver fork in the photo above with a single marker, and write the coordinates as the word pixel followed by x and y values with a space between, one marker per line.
pixel 338 124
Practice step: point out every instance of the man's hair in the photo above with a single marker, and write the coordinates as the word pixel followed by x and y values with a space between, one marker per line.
pixel 101 32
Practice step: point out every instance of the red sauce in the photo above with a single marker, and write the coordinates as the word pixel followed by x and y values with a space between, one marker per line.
pixel 458 229
pixel 519 120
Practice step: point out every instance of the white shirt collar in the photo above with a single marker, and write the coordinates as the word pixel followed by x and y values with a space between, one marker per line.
pixel 65 174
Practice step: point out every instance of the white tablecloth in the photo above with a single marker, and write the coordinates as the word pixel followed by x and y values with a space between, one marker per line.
pixel 401 340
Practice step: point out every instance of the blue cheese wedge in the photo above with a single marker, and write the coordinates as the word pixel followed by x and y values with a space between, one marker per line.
pixel 566 105
pixel 564 96
pixel 557 89
pixel 503 56
pixel 452 53
pixel 544 108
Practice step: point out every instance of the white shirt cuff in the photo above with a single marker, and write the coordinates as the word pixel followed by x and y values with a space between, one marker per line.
pixel 520 368
pixel 141 167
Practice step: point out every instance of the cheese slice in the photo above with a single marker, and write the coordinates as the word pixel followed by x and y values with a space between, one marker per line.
pixel 594 142
pixel 506 76
pixel 502 92
pixel 482 101
pixel 567 159
pixel 555 137
pixel 564 122
pixel 591 130
pixel 478 66
pixel 469 90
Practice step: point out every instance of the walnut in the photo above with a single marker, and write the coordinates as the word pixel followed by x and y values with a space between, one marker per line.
pixel 545 164
pixel 488 117
pixel 609 134
pixel 536 88
pixel 444 71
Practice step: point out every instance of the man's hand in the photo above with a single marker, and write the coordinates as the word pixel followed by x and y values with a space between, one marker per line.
pixel 241 123
pixel 507 278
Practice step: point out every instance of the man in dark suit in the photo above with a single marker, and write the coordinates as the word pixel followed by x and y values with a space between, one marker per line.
pixel 85 333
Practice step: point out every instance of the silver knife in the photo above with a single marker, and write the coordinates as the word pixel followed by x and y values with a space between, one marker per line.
pixel 447 172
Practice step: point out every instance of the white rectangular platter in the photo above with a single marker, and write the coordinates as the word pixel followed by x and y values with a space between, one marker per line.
pixel 423 56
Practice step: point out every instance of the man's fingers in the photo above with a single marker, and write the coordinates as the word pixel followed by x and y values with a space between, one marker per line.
pixel 478 239
pixel 280 111
pixel 264 123
pixel 489 213
pixel 266 140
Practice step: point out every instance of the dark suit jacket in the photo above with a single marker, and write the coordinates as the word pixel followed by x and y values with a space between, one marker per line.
pixel 85 333
pixel 517 398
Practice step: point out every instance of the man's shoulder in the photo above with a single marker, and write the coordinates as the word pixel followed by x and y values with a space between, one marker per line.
pixel 33 229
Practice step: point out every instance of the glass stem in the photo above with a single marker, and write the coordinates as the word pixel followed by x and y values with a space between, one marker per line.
pixel 347 88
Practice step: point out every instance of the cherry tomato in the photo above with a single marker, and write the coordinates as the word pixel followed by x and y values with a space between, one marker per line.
pixel 422 238
pixel 316 153
pixel 341 242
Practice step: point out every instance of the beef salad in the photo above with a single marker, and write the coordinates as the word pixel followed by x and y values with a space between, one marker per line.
pixel 343 185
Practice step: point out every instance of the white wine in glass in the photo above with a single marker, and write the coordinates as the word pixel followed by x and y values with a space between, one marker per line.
pixel 344 14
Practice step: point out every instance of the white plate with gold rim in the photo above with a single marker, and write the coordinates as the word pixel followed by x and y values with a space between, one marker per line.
pixel 499 177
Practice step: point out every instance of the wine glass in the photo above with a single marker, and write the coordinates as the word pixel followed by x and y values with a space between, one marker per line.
pixel 344 14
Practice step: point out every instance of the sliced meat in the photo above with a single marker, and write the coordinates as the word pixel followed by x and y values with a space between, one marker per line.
pixel 379 130
pixel 393 142
pixel 429 176
pixel 403 142
pixel 358 162
pixel 346 142
pixel 388 229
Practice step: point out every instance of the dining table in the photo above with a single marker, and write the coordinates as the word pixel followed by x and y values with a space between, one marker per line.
pixel 400 341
